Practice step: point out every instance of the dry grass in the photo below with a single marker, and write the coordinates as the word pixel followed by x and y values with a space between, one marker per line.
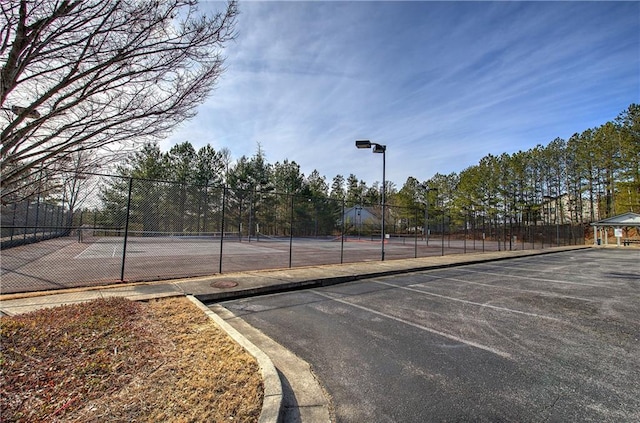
pixel 118 360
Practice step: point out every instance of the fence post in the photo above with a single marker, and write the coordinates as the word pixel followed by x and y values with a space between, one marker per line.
pixel 206 207
pixel 59 220
pixel 13 220
pixel 44 223
pixel 513 244
pixel 342 235
pixel 79 226
pixel 473 228
pixel 291 233
pixel 126 230
pixel 442 230
pixel 251 212
pixel 449 230
pixel 240 215
pixel 26 221
pixel 484 231
pixel 35 226
pixel 224 206
pixel 64 219
pixel 466 223
pixel 415 232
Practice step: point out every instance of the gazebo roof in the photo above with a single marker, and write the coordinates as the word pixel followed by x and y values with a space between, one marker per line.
pixel 626 219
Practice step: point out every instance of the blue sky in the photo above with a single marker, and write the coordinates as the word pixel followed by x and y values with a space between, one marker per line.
pixel 442 84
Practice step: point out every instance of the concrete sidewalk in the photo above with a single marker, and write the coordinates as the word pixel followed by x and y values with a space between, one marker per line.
pixel 222 287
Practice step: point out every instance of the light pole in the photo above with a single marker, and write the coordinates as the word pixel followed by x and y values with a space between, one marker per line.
pixel 378 148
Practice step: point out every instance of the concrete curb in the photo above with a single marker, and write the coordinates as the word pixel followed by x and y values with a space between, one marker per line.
pixel 272 401
pixel 303 397
pixel 333 280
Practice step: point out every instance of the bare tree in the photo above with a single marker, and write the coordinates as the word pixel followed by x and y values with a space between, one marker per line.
pixel 81 75
pixel 79 183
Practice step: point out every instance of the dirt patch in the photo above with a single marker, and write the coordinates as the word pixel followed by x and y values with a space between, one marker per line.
pixel 118 360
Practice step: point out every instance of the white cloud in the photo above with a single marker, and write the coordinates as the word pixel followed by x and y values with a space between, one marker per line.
pixel 442 84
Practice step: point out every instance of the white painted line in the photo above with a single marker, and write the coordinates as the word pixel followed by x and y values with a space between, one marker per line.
pixel 529 277
pixel 418 326
pixel 546 269
pixel 510 288
pixel 82 252
pixel 114 252
pixel 540 316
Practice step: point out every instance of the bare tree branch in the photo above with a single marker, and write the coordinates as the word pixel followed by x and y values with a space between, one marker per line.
pixel 86 74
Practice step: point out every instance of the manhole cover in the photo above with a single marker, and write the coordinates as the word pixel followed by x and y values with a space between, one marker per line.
pixel 224 284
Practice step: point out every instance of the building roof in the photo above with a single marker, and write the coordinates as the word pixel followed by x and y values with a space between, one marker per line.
pixel 626 219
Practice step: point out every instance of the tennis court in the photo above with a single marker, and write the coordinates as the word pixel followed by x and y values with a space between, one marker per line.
pixel 85 259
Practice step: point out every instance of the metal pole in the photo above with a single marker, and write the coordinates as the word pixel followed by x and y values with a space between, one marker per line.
pixel 315 207
pixel 251 206
pixel 126 230
pixel 60 219
pixel 342 235
pixel 466 224
pixel 291 233
pixel 473 229
pixel 443 229
pixel 449 230
pixel 13 220
pixel 63 221
pixel 44 223
pixel 426 218
pixel 26 221
pixel 240 218
pixel 384 154
pixel 35 228
pixel 224 206
pixel 206 207
pixel 80 226
pixel 415 232
pixel 483 232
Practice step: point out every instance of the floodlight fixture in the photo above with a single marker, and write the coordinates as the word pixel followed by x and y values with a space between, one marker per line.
pixel 378 148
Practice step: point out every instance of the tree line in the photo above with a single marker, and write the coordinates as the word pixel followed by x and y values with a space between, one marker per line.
pixel 593 175
pixel 86 84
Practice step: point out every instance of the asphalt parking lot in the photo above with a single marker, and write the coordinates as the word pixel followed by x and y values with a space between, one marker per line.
pixel 534 339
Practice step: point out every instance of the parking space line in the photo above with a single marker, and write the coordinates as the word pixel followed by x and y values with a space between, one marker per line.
pixel 530 277
pixel 510 288
pixel 509 310
pixel 418 326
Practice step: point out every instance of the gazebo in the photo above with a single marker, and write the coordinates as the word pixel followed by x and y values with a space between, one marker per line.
pixel 618 223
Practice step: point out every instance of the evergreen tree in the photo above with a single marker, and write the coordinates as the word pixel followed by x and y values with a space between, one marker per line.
pixel 337 188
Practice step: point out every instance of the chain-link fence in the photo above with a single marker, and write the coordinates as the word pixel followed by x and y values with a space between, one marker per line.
pixel 32 221
pixel 138 230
